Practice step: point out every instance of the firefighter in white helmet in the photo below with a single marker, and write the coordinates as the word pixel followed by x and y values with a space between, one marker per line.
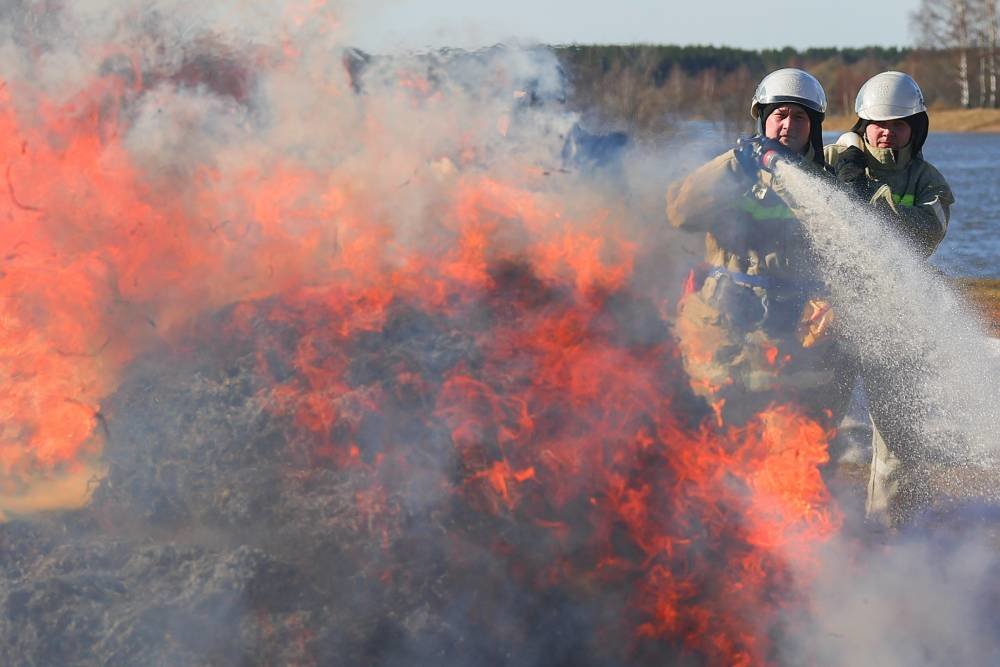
pixel 881 158
pixel 740 331
pixel 881 161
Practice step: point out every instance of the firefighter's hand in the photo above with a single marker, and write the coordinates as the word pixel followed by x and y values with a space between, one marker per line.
pixel 851 170
pixel 759 153
pixel 747 152
pixel 882 199
pixel 851 166
pixel 815 322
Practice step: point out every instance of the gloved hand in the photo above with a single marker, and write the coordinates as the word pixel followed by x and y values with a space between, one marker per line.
pixel 815 322
pixel 882 199
pixel 851 166
pixel 756 153
pixel 851 171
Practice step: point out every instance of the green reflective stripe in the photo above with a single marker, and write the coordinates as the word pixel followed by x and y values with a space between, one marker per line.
pixel 761 212
pixel 904 200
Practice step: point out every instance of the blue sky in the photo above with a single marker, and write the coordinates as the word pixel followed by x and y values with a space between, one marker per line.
pixel 752 24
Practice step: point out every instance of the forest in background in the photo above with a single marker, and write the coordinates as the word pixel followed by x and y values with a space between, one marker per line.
pixel 647 89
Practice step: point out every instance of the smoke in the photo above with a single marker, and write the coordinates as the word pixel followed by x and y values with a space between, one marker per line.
pixel 178 169
pixel 925 599
pixel 231 152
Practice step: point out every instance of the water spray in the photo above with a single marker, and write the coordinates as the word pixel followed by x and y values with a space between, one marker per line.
pixel 915 340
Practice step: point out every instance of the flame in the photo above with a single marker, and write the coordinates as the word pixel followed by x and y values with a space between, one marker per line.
pixel 690 283
pixel 771 354
pixel 556 416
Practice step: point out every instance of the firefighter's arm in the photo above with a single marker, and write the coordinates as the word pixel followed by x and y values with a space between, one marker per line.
pixel 705 196
pixel 925 219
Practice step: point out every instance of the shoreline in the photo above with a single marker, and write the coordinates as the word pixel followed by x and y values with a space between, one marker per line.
pixel 984 294
pixel 942 120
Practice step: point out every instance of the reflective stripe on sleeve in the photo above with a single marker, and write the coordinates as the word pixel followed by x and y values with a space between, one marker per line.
pixel 761 212
pixel 938 209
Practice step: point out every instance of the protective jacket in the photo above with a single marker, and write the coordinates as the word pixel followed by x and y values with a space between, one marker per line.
pixel 920 197
pixel 750 227
pixel 737 329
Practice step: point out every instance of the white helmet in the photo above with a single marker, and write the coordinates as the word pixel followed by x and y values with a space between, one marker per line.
pixel 789 85
pixel 888 96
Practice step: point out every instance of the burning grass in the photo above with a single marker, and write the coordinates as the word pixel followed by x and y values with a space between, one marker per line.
pixel 442 485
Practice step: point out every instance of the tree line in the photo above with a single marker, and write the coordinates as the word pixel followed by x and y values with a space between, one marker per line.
pixel 648 88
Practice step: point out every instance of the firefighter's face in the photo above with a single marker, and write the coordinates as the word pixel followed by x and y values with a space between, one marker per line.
pixel 888 133
pixel 789 125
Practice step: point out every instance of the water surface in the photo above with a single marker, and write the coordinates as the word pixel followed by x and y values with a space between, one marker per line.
pixel 971 164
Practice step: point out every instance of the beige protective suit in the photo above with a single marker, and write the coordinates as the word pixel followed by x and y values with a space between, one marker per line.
pixel 738 331
pixel 918 199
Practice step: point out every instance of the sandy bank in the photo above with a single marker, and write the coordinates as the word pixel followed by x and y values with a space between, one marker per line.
pixel 985 294
pixel 942 120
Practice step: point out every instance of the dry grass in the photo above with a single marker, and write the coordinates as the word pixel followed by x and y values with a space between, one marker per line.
pixel 985 295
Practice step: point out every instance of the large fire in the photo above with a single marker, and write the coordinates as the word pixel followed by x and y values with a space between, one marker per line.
pixel 504 349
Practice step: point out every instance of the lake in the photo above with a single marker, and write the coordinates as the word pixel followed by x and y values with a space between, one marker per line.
pixel 971 164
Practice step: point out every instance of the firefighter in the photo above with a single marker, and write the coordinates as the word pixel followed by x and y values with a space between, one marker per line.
pixel 881 161
pixel 750 331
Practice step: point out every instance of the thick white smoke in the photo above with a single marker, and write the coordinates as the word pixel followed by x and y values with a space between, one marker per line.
pixel 241 93
pixel 928 599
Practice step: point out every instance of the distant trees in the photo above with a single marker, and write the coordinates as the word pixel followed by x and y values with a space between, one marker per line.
pixel 646 88
pixel 969 31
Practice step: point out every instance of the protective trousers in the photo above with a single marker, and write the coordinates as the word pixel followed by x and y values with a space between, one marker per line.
pixel 898 487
